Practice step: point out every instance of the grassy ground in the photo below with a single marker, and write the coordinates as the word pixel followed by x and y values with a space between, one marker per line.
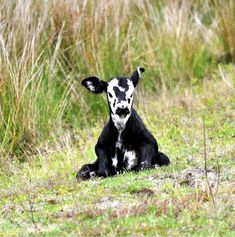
pixel 42 197
pixel 49 124
pixel 47 47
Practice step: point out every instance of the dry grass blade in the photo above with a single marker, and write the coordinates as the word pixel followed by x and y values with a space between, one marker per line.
pixel 205 161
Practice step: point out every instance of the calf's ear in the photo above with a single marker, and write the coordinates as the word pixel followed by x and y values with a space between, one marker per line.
pixel 136 75
pixel 95 85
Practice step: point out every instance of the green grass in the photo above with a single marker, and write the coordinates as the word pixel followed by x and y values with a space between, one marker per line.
pixel 41 197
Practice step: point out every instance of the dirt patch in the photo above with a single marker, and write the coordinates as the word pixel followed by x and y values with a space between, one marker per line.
pixel 109 202
pixel 107 206
pixel 192 177
pixel 195 178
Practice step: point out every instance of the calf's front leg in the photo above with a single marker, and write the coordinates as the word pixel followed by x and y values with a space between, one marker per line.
pixel 103 168
pixel 88 171
pixel 146 156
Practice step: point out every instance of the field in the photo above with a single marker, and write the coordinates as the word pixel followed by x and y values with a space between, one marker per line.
pixel 49 124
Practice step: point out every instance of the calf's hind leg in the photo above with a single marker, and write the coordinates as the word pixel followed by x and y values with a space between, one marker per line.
pixel 162 159
pixel 88 171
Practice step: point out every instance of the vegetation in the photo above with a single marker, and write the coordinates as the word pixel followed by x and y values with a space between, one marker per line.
pixel 49 124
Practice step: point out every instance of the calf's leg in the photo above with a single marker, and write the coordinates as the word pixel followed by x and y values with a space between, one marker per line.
pixel 88 171
pixel 162 159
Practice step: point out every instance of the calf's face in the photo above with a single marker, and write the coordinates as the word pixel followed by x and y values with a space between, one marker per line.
pixel 120 96
pixel 119 91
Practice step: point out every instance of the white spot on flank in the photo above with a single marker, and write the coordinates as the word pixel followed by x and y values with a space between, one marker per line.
pixel 130 157
pixel 115 161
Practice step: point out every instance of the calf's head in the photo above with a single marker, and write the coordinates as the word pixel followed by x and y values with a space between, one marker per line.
pixel 119 92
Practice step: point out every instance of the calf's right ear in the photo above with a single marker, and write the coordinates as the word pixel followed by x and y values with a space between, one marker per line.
pixel 95 85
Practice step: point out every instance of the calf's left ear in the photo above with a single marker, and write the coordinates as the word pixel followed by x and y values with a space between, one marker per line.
pixel 136 75
pixel 95 85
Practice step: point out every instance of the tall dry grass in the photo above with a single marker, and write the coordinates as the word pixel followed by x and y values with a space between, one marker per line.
pixel 46 45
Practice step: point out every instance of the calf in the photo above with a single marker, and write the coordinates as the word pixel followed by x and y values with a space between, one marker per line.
pixel 125 143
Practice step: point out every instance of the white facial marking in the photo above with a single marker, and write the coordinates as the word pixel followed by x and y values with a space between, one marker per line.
pixel 130 157
pixel 121 88
pixel 116 103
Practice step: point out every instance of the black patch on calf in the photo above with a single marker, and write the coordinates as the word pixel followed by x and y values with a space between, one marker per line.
pixel 122 82
pixel 121 95
pixel 114 103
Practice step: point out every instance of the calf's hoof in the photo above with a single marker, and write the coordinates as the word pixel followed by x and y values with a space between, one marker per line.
pixel 84 173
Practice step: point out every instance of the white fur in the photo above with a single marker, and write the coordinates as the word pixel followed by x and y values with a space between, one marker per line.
pixel 90 86
pixel 114 161
pixel 130 157
pixel 118 145
pixel 138 70
pixel 92 174
pixel 123 104
pixel 119 122
pixel 119 141
pixel 114 83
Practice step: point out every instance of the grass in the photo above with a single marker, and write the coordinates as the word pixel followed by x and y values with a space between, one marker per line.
pixel 49 124
pixel 46 46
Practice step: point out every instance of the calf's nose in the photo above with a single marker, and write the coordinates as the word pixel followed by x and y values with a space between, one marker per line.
pixel 122 111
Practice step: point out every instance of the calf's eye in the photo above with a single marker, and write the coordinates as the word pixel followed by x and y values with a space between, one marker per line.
pixel 110 95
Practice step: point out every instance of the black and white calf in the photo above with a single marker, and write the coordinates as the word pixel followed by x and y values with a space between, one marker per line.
pixel 125 143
